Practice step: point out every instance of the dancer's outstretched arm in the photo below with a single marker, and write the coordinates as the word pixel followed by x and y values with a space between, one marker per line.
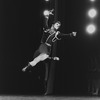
pixel 60 35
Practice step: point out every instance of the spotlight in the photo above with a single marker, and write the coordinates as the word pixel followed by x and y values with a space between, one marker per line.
pixel 46 0
pixel 46 13
pixel 92 13
pixel 91 29
pixel 92 0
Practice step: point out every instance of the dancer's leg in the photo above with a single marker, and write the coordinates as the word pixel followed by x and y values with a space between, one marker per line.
pixel 36 60
pixel 54 58
pixel 41 57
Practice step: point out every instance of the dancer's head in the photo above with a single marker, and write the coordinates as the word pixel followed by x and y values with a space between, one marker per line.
pixel 57 25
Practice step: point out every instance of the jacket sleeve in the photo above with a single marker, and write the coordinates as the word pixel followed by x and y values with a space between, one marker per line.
pixel 61 35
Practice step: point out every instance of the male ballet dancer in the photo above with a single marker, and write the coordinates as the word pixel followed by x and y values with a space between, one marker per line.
pixel 50 36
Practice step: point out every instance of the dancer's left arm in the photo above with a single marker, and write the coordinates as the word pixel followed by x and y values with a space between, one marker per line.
pixel 60 35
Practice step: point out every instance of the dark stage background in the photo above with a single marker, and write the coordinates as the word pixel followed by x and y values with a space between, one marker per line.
pixel 20 35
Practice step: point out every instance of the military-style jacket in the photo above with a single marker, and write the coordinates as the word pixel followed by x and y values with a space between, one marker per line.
pixel 50 36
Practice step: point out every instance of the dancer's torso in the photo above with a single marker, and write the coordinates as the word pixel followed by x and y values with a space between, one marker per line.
pixel 49 37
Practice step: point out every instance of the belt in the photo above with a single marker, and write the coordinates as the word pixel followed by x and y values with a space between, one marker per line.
pixel 48 44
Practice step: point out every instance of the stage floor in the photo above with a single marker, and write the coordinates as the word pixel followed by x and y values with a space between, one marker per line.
pixel 46 98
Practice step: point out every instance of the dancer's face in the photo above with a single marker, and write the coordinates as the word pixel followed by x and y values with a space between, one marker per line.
pixel 57 25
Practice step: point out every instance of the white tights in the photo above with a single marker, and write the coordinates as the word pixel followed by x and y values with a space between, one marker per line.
pixel 39 58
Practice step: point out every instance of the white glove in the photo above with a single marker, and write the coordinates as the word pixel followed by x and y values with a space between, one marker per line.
pixel 74 33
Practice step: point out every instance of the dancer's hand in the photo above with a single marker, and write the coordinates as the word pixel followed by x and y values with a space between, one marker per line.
pixel 74 33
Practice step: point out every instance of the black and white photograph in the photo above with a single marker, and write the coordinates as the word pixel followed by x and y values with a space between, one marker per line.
pixel 50 50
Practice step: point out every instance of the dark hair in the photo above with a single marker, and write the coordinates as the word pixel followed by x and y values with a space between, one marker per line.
pixel 57 22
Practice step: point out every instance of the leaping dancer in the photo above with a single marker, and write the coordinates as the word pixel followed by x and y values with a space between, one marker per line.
pixel 50 35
